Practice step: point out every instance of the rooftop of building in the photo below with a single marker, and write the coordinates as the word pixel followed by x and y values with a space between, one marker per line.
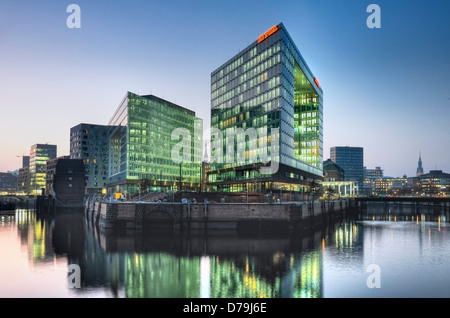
pixel 435 173
pixel 276 28
pixel 161 100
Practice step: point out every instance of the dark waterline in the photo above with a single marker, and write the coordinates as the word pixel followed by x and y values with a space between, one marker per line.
pixel 411 252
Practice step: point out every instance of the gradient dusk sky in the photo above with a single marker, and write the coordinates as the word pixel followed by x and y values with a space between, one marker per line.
pixel 386 89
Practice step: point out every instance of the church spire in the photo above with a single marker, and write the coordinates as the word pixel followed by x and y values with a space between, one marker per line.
pixel 419 166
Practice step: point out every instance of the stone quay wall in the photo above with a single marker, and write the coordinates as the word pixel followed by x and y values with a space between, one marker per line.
pixel 217 216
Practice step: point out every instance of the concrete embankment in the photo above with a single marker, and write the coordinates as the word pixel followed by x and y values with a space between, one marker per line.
pixel 214 216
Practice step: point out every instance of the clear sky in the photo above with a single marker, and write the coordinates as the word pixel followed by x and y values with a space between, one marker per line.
pixel 386 89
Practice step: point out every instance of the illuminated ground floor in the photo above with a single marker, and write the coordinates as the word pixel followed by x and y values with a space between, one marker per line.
pixel 249 179
pixel 132 188
pixel 341 188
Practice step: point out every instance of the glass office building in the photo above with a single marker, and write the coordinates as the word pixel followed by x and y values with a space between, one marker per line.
pixel 351 159
pixel 268 103
pixel 142 138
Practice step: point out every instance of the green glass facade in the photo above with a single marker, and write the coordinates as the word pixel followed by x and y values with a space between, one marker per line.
pixel 269 99
pixel 141 144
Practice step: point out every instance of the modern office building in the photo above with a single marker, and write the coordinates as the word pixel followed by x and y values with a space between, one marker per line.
pixel 266 119
pixel 89 142
pixel 351 159
pixel 156 140
pixel 39 155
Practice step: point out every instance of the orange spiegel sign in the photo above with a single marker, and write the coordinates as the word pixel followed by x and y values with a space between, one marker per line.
pixel 316 81
pixel 271 31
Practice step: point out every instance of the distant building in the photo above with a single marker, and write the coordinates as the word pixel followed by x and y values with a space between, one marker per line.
pixel 332 171
pixel 206 166
pixel 23 179
pixel 375 183
pixel 39 155
pixel 351 159
pixel 334 178
pixel 370 175
pixel 23 182
pixel 50 173
pixel 400 182
pixel 8 182
pixel 435 182
pixel 377 172
pixel 25 161
pixel 67 181
pixel 381 185
pixel 89 142
pixel 419 170
pixel 399 186
pixel 413 184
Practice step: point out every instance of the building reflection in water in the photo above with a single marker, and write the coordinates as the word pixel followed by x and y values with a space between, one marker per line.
pixel 35 235
pixel 206 265
pixel 170 265
pixel 249 267
pixel 156 275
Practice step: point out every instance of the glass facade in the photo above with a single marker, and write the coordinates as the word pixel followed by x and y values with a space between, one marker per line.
pixel 216 277
pixel 351 159
pixel 265 103
pixel 39 155
pixel 142 137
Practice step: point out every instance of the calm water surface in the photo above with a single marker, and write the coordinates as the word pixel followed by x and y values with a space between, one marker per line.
pixel 410 253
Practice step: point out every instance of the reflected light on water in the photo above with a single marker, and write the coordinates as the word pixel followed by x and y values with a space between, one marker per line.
pixel 26 270
pixel 205 277
pixel 328 262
